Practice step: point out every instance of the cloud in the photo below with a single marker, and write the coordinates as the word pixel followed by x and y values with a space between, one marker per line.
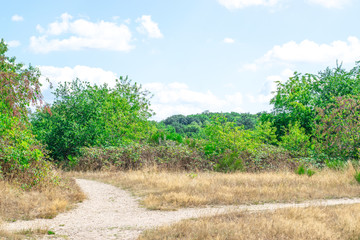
pixel 330 3
pixel 13 44
pixel 67 74
pixel 269 88
pixel 81 34
pixel 147 26
pixel 169 99
pixel 229 40
pixel 17 18
pixel 238 4
pixel 310 52
pixel 178 98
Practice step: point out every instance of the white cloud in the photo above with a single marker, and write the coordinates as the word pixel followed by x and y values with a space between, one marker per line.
pixel 147 26
pixel 310 52
pixel 238 4
pixel 14 43
pixel 229 40
pixel 177 98
pixel 80 34
pixel 67 74
pixel 330 3
pixel 17 18
pixel 268 89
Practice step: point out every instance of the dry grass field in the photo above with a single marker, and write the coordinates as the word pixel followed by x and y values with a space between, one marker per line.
pixel 46 202
pixel 172 190
pixel 331 223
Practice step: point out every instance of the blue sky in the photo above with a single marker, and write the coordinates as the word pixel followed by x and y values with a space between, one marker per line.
pixel 193 55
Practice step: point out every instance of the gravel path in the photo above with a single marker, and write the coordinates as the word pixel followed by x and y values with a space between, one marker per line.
pixel 112 213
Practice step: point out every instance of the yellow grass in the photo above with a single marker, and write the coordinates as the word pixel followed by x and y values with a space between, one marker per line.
pixel 45 203
pixel 335 222
pixel 24 234
pixel 172 190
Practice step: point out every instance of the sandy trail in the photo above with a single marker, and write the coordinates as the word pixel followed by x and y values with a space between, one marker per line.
pixel 112 213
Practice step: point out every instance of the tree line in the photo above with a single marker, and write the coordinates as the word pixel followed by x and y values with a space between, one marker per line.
pixel 314 121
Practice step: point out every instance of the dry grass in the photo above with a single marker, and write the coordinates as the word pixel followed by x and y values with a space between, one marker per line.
pixel 46 202
pixel 172 190
pixel 336 222
pixel 24 234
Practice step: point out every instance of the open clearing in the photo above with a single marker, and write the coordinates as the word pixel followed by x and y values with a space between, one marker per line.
pixel 164 190
pixel 112 213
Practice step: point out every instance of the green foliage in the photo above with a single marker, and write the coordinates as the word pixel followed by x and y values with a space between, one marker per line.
pixel 265 132
pixel 357 177
pixel 296 141
pixel 310 172
pixel 297 99
pixel 192 125
pixel 22 158
pixel 335 164
pixel 338 128
pixel 162 134
pixel 85 115
pixel 301 170
pixel 228 142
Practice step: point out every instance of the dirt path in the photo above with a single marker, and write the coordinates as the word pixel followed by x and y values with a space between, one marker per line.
pixel 112 213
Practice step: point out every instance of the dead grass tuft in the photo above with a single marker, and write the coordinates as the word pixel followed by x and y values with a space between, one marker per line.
pixel 171 190
pixel 335 222
pixel 46 202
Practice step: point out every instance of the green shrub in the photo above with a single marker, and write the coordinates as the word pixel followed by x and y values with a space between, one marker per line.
pixel 310 172
pixel 229 161
pixel 22 157
pixel 85 116
pixel 357 177
pixel 335 164
pixel 301 170
pixel 296 141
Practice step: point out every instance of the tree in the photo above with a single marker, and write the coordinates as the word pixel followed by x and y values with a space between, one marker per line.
pixel 22 157
pixel 296 100
pixel 86 115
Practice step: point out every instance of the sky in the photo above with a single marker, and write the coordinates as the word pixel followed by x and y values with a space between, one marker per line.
pixel 192 55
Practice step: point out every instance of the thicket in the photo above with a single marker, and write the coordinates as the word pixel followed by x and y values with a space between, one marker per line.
pixel 22 156
pixel 314 121
pixel 83 115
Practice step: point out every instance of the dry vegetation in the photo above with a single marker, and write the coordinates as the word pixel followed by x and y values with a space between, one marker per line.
pixel 24 234
pixel 335 222
pixel 171 190
pixel 46 202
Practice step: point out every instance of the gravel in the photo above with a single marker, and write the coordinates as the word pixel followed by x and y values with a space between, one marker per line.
pixel 112 213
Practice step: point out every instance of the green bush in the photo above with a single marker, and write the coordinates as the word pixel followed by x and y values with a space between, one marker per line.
pixel 335 164
pixel 301 170
pixel 357 177
pixel 83 115
pixel 22 157
pixel 296 141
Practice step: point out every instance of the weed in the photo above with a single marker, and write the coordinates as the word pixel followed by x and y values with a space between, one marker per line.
pixel 301 170
pixel 357 177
